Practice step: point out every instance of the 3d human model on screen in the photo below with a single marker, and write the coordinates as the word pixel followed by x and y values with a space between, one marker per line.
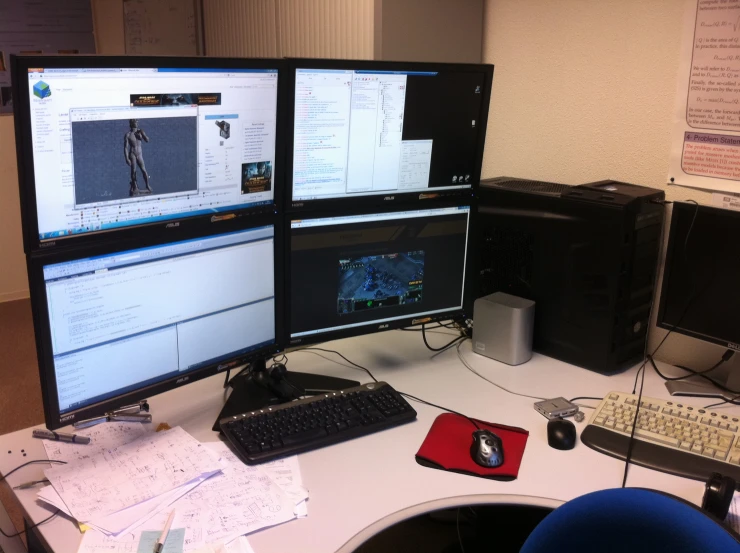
pixel 134 155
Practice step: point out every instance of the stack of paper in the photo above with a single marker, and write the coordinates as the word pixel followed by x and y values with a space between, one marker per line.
pixel 216 514
pixel 102 437
pixel 114 489
pixel 127 481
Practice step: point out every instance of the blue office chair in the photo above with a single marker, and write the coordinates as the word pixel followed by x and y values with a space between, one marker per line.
pixel 630 520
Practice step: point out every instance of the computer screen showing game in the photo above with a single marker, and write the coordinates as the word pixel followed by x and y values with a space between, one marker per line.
pixel 353 274
pixel 115 324
pixel 386 130
pixel 120 146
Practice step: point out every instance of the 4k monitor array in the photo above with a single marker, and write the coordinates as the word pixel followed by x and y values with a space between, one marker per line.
pixel 185 216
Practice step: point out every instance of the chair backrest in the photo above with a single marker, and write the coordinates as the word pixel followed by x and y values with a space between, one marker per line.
pixel 630 520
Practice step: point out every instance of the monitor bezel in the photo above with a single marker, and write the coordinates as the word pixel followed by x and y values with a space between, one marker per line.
pixel 25 160
pixel 54 419
pixel 470 278
pixel 687 209
pixel 392 199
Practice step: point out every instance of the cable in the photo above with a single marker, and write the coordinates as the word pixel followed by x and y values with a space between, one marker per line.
pixel 34 462
pixel 443 348
pixel 634 427
pixel 649 357
pixel 725 357
pixel 732 401
pixel 694 373
pixel 414 398
pixel 360 367
pixel 5 476
pixel 584 397
pixel 471 369
pixel 411 329
pixel 47 519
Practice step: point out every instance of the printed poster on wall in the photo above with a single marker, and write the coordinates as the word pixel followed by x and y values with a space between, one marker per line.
pixel 705 148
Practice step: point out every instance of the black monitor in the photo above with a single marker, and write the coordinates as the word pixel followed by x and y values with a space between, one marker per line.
pixel 701 270
pixel 114 326
pixel 374 133
pixel 367 272
pixel 140 145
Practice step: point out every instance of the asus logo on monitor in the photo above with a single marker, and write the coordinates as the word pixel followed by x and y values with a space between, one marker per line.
pixel 389 198
pixel 172 225
pixel 181 380
pixel 381 327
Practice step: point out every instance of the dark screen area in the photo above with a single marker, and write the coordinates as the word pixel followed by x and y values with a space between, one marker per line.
pixel 419 259
pixel 442 108
pixel 702 271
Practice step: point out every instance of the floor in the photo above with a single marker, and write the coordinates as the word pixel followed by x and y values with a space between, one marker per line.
pixel 20 389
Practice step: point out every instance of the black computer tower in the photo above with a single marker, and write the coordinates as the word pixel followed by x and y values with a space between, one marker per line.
pixel 587 255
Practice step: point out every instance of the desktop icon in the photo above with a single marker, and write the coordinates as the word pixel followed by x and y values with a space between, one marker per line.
pixel 41 90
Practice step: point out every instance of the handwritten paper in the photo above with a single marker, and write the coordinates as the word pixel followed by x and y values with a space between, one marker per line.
pixel 286 473
pixel 131 474
pixel 103 436
pixel 238 500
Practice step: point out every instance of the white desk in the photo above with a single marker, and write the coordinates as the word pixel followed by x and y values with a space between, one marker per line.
pixel 355 484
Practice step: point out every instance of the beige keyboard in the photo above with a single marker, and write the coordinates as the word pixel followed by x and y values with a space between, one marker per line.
pixel 670 436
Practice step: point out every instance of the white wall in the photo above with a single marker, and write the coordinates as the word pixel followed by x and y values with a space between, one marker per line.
pixel 13 280
pixel 108 21
pixel 285 28
pixel 584 90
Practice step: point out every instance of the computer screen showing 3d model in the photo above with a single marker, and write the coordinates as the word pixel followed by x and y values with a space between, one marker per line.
pixel 118 147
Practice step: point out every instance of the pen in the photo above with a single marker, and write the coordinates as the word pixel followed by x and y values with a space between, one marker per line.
pixel 60 436
pixel 163 537
pixel 31 484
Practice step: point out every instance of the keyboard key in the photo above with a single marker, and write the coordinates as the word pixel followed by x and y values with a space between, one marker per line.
pixel 697 448
pixel 686 445
pixel 652 436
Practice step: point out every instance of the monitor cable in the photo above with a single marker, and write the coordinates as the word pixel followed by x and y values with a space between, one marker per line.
pixel 459 339
pixel 479 375
pixel 702 374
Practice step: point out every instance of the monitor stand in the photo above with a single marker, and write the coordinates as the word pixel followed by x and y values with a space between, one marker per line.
pixel 699 387
pixel 260 388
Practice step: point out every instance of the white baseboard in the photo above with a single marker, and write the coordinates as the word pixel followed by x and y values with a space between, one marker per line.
pixel 12 296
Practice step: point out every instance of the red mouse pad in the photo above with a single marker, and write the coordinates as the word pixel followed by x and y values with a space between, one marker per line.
pixel 447 447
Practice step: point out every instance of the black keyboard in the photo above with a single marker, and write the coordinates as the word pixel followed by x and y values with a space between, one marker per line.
pixel 314 422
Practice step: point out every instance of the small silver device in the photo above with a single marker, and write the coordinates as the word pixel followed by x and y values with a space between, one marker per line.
pixel 556 408
pixel 502 328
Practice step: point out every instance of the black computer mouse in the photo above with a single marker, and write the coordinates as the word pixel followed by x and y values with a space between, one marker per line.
pixel 561 434
pixel 487 449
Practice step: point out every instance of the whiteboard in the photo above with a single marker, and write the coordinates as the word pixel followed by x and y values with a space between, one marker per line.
pixel 161 27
